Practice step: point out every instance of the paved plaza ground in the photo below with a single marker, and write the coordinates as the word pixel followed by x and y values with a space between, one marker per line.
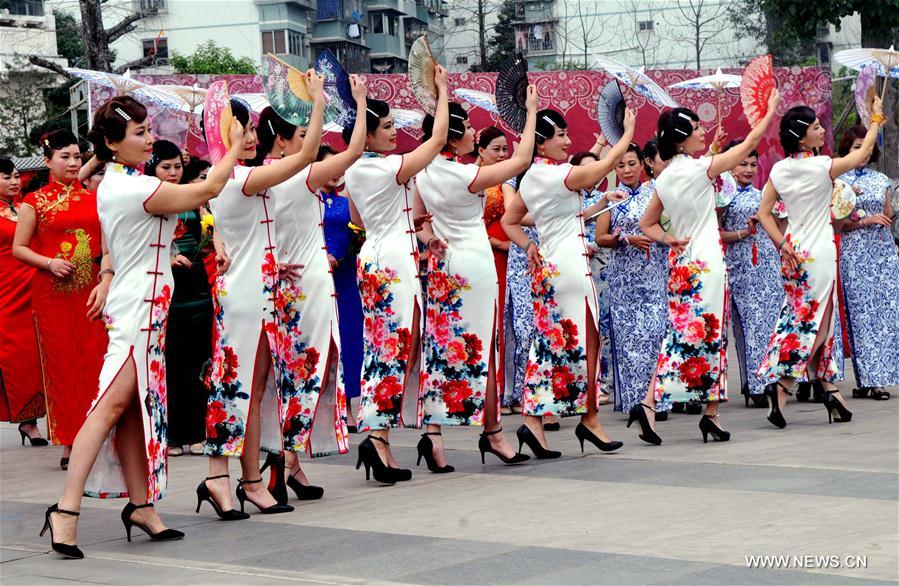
pixel 681 513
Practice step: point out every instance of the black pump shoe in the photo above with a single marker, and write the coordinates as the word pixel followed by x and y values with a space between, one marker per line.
pixel 708 427
pixel 242 498
pixel 305 492
pixel 582 433
pixel 203 494
pixel 426 450
pixel 369 456
pixel 34 441
pixel 276 483
pixel 526 437
pixel 484 447
pixel 835 409
pixel 164 535
pixel 64 549
pixel 647 433
pixel 775 416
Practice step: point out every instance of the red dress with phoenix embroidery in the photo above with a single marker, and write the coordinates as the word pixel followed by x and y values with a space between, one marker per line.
pixel 71 347
pixel 21 390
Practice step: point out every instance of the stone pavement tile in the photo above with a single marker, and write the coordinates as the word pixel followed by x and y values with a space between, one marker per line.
pixel 9 555
pixel 724 574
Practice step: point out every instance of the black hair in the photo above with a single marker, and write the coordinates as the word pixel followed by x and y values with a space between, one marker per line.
pixel 650 150
pixel 111 122
pixel 374 111
pixel 163 150
pixel 852 134
pixel 579 157
pixel 547 122
pixel 735 142
pixel 56 140
pixel 674 127
pixel 270 127
pixel 324 150
pixel 486 136
pixel 193 169
pixel 635 148
pixel 794 126
pixel 457 118
pixel 7 166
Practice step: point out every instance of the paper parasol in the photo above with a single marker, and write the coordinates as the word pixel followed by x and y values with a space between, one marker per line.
pixel 756 88
pixel 341 108
pixel 476 98
pixel 217 118
pixel 511 92
pixel 865 91
pixel 717 82
pixel 610 112
pixel 637 80
pixel 885 61
pixel 422 67
pixel 123 84
pixel 285 88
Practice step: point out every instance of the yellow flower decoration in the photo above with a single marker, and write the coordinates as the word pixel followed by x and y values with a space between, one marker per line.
pixel 207 222
pixel 65 246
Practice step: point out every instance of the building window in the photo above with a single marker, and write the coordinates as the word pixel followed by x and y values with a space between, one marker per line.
pixel 158 48
pixel 151 5
pixel 273 42
pixel 459 21
pixel 24 7
pixel 461 59
pixel 328 10
pixel 645 26
pixel 377 23
pixel 296 43
pixel 391 26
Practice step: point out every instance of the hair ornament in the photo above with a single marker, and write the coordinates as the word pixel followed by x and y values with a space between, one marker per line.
pixel 123 114
pixel 540 135
pixel 457 116
pixel 372 112
pixel 684 116
pixel 793 132
pixel 549 120
pixel 803 122
pixel 47 143
pixel 270 127
pixel 685 133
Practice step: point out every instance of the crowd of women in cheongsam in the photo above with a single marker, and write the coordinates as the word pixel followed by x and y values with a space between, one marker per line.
pixel 230 310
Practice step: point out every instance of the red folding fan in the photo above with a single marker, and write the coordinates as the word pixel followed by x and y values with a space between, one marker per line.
pixel 756 88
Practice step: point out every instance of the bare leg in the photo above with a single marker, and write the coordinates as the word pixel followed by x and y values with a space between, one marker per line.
pixel 129 444
pixel 650 400
pixel 492 422
pixel 87 446
pixel 591 419
pixel 257 492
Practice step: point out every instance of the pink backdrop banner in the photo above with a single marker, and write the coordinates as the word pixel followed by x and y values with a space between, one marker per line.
pixel 573 93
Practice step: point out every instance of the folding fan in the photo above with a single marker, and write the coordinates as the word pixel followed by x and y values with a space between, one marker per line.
pixel 511 91
pixel 285 88
pixel 477 98
pixel 610 112
pixel 725 189
pixel 865 90
pixel 406 118
pixel 341 108
pixel 756 88
pixel 217 118
pixel 422 67
pixel 844 200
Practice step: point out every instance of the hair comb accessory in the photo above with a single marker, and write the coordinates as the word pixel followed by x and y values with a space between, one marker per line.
pixel 123 114
pixel 457 116
pixel 684 116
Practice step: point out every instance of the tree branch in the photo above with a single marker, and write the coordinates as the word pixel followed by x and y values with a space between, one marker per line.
pixel 46 64
pixel 136 64
pixel 125 25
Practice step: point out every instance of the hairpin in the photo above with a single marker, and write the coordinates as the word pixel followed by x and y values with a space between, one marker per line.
pixel 803 122
pixel 684 116
pixel 682 132
pixel 270 127
pixel 457 131
pixel 47 143
pixel 661 134
pixel 123 114
pixel 548 119
pixel 793 132
pixel 372 112
pixel 540 135
pixel 457 116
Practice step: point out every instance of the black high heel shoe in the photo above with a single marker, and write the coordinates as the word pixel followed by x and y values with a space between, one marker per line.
pixel 368 455
pixel 64 549
pixel 34 441
pixel 526 437
pixel 242 498
pixel 484 447
pixel 582 433
pixel 164 535
pixel 305 492
pixel 842 415
pixel 426 450
pixel 647 433
pixel 64 463
pixel 276 483
pixel 400 474
pixel 707 426
pixel 774 414
pixel 203 494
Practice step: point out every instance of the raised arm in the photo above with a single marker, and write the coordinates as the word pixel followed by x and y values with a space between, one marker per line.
pixel 174 199
pixel 499 172
pixel 586 176
pixel 261 178
pixel 422 156
pixel 730 159
pixel 86 169
pixel 857 157
pixel 334 166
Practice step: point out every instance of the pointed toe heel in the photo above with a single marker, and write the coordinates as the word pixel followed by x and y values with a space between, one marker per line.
pixel 484 447
pixel 425 449
pixel 647 433
pixel 526 437
pixel 203 494
pixel 582 433
pixel 64 549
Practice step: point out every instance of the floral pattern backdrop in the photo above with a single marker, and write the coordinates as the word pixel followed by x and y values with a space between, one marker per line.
pixel 574 93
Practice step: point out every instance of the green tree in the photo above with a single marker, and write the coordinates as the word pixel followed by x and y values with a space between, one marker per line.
pixel 22 107
pixel 502 44
pixel 211 59
pixel 754 22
